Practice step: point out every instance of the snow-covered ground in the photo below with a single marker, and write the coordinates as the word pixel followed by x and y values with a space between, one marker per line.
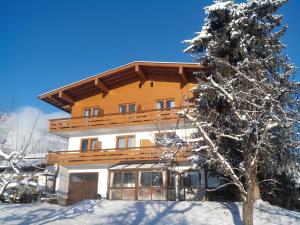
pixel 131 212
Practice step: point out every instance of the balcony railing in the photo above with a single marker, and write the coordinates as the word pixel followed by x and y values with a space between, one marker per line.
pixel 112 156
pixel 115 119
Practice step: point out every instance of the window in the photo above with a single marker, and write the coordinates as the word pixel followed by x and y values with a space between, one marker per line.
pixel 94 143
pixel 146 179
pixel 170 104
pixel 192 179
pixel 121 142
pixel 91 144
pixel 117 180
pixel 165 139
pixel 128 179
pixel 165 104
pixel 212 180
pixel 156 179
pixel 122 185
pixel 149 179
pixel 171 194
pixel 131 108
pixel 86 112
pixel 126 142
pixel 160 104
pixel 124 108
pixel 95 111
pixel 84 145
pixel 151 186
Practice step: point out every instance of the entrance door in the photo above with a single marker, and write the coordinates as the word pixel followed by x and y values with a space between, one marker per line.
pixel 82 186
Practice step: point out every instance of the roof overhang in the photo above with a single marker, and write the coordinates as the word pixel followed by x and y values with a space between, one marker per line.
pixel 64 97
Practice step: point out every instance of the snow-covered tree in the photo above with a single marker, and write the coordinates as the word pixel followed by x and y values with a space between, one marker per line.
pixel 22 144
pixel 247 106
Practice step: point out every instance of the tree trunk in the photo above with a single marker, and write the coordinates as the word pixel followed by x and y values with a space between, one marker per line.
pixel 250 198
pixel 248 210
pixel 256 191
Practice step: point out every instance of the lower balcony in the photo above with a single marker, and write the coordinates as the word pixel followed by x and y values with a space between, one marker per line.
pixel 112 156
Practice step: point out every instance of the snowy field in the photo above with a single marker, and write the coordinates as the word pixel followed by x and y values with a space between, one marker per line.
pixel 131 212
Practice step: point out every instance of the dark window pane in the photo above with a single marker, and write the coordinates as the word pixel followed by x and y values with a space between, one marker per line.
pixel 91 177
pixel 84 145
pixel 159 104
pixel 156 179
pixel 212 180
pixel 146 179
pixel 192 179
pixel 171 194
pixel 117 180
pixel 129 180
pixel 170 104
pixel 171 181
pixel 122 108
pixel 195 179
pixel 131 108
pixel 76 177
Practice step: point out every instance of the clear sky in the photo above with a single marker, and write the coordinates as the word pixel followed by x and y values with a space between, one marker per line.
pixel 45 44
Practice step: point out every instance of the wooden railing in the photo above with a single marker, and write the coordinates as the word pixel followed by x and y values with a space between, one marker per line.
pixel 115 119
pixel 112 156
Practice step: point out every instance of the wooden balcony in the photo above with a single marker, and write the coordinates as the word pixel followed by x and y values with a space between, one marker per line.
pixel 114 120
pixel 112 156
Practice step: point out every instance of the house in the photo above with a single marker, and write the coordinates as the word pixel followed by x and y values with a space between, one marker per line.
pixel 115 119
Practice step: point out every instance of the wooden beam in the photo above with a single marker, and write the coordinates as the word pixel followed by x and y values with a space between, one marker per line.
pixel 100 85
pixel 140 72
pixel 66 97
pixel 182 74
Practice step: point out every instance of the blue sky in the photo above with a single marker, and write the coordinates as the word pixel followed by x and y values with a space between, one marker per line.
pixel 45 44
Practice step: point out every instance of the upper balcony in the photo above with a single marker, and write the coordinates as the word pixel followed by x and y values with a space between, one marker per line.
pixel 115 120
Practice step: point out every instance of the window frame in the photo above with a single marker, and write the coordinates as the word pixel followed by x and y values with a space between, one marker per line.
pixel 126 141
pixel 164 101
pixel 81 141
pixel 127 107
pixel 89 144
pixel 91 111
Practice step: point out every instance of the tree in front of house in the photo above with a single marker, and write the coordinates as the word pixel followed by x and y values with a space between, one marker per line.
pixel 22 146
pixel 247 107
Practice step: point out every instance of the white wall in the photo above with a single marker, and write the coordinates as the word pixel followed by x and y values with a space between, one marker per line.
pixel 109 140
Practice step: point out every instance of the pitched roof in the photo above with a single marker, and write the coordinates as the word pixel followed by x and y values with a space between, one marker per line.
pixel 65 96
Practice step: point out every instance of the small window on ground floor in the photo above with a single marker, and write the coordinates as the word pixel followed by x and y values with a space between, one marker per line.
pixel 122 185
pixel 212 180
pixel 192 179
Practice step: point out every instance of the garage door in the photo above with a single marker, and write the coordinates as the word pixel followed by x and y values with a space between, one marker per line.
pixel 82 186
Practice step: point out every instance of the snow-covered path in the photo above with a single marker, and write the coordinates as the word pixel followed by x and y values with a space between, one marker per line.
pixel 131 212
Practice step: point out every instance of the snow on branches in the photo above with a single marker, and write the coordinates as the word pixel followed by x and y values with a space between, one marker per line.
pixel 247 109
